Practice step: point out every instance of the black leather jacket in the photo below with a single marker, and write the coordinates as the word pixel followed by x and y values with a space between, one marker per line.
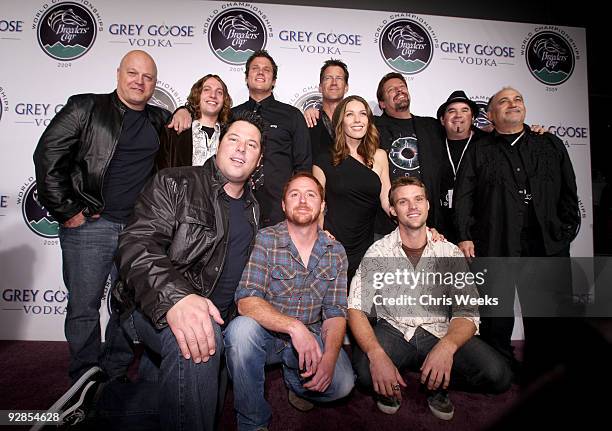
pixel 75 150
pixel 176 242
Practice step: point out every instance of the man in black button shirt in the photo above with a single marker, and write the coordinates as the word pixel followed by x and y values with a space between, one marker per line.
pixel 288 147
pixel 91 163
pixel 515 196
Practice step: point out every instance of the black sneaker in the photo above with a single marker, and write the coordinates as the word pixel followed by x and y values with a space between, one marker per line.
pixel 387 405
pixel 299 403
pixel 76 402
pixel 441 405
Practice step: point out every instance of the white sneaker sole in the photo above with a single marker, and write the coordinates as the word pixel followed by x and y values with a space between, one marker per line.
pixel 388 410
pixel 55 408
pixel 442 415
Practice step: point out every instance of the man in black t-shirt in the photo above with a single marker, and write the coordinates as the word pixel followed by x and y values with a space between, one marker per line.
pixel 181 258
pixel 91 163
pixel 456 115
pixel 413 144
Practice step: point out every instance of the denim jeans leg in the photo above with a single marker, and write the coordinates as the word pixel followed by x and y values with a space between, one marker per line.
pixel 401 353
pixel 117 350
pixel 479 367
pixel 187 391
pixel 341 385
pixel 87 254
pixel 248 347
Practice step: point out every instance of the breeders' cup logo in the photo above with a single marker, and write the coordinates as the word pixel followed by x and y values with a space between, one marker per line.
pixel 550 58
pixel 165 97
pixel 308 100
pixel 406 46
pixel 235 34
pixel 66 31
pixel 35 215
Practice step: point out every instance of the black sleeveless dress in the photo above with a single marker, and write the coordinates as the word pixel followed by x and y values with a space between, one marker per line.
pixel 352 196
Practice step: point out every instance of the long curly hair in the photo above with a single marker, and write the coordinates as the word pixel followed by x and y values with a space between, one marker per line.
pixel 369 143
pixel 196 92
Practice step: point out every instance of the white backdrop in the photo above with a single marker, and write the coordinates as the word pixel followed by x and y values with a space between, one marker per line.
pixel 51 50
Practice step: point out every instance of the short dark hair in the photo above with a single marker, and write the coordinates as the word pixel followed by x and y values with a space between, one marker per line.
pixel 387 77
pixel 304 174
pixel 249 117
pixel 334 62
pixel 265 54
pixel 405 181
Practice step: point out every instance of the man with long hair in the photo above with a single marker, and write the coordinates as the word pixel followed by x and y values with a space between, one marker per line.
pixel 211 105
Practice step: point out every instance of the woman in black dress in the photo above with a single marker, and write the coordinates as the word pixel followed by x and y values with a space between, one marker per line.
pixel 355 175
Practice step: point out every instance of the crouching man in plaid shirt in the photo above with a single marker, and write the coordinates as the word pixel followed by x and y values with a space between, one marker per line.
pixel 292 301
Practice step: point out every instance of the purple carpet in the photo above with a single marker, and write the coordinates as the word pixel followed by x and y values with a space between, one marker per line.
pixel 34 375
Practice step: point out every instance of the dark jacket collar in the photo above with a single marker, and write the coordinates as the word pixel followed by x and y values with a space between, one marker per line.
pixel 123 107
pixel 218 180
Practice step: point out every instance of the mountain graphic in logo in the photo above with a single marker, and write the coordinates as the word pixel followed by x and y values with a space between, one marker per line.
pixel 163 99
pixel 235 35
pixel 66 31
pixel 406 46
pixel 36 216
pixel 550 58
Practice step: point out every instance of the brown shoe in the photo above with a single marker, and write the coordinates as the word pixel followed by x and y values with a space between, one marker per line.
pixel 299 403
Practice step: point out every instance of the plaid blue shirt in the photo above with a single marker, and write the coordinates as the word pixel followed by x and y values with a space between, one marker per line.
pixel 275 272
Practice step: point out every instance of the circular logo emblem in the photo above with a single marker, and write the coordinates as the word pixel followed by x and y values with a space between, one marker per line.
pixel 66 31
pixel 309 100
pixel 404 154
pixel 36 216
pixel 163 99
pixel 550 58
pixel 482 121
pixel 406 46
pixel 236 34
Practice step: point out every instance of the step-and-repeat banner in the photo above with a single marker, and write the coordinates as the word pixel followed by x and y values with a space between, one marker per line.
pixel 53 49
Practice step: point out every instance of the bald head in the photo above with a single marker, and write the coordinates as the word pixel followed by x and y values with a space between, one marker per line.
pixel 136 79
pixel 506 110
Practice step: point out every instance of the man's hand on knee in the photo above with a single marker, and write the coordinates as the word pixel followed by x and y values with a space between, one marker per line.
pixel 386 378
pixel 309 351
pixel 436 369
pixel 324 375
pixel 190 322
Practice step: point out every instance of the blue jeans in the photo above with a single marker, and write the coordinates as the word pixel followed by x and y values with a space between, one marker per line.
pixel 249 347
pixel 476 365
pixel 87 254
pixel 187 391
